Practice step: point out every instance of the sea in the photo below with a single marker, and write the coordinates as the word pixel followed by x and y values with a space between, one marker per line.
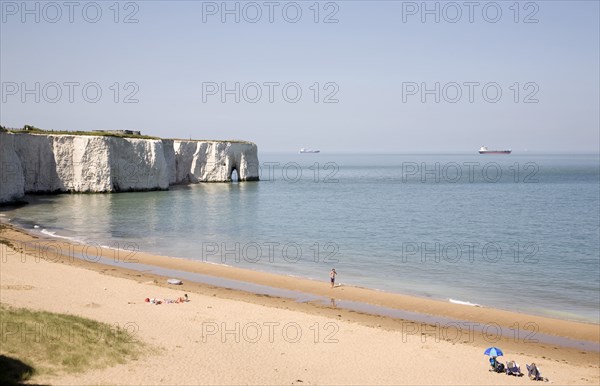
pixel 518 232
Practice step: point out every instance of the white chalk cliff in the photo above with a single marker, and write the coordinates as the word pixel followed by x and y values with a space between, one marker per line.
pixel 40 163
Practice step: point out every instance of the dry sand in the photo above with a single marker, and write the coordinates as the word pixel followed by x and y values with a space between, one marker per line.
pixel 273 340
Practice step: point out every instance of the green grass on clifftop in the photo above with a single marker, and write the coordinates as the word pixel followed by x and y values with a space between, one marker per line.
pixel 35 130
pixel 214 140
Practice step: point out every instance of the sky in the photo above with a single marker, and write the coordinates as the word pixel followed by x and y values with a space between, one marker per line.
pixel 340 76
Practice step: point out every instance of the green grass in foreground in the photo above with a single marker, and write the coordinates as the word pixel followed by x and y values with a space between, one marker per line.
pixel 39 342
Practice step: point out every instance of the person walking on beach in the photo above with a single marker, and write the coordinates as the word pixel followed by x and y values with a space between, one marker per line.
pixel 332 276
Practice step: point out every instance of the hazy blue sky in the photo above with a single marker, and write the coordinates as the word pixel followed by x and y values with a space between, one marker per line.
pixel 374 60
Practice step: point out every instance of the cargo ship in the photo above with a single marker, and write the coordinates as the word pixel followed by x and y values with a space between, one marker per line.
pixel 303 150
pixel 485 150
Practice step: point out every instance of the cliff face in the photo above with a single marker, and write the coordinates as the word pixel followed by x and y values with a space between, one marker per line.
pixel 214 161
pixel 31 163
pixel 12 182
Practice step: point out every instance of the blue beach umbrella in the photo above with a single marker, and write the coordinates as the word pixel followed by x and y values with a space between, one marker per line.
pixel 493 352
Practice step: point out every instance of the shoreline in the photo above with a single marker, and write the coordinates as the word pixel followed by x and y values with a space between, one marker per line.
pixel 316 291
pixel 266 278
pixel 521 303
pixel 33 277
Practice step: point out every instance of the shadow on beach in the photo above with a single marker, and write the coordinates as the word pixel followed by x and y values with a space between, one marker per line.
pixel 13 371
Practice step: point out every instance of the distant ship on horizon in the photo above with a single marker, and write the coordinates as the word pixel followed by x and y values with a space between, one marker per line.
pixel 485 150
pixel 303 150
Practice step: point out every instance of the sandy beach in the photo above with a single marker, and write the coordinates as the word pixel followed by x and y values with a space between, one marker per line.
pixel 224 336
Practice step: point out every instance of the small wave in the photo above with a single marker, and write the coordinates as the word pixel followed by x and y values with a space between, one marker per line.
pixel 79 241
pixel 213 263
pixel 53 234
pixel 464 303
pixel 109 247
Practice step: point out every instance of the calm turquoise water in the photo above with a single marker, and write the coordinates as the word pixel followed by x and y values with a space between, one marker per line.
pixel 518 232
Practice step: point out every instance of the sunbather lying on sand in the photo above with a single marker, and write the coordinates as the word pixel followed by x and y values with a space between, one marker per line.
pixel 160 301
